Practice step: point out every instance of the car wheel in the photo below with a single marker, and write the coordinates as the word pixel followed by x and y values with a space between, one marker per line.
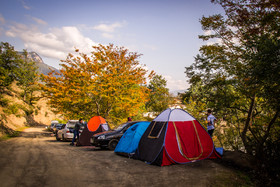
pixel 113 144
pixel 57 138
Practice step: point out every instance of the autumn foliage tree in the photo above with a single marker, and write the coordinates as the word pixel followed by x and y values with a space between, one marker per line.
pixel 109 82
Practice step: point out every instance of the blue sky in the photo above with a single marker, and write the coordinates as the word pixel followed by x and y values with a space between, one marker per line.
pixel 165 32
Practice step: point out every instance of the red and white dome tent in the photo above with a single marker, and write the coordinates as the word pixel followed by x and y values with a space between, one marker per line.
pixel 175 136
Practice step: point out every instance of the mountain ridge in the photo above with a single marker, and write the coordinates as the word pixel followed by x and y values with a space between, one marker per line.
pixel 42 66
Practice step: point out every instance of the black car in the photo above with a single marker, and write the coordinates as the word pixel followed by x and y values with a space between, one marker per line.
pixel 110 139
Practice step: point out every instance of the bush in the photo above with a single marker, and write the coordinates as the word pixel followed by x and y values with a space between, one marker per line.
pixel 4 102
pixel 12 109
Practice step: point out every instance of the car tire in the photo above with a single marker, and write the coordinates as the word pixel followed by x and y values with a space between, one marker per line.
pixel 113 144
pixel 57 138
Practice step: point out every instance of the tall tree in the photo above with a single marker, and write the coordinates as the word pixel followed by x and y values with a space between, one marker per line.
pixel 9 65
pixel 109 83
pixel 239 72
pixel 159 95
pixel 27 78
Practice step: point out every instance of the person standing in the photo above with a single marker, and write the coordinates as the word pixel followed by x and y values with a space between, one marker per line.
pixel 77 131
pixel 210 122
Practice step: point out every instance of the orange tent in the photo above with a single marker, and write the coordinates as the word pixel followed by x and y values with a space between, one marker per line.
pixel 96 122
pixel 95 125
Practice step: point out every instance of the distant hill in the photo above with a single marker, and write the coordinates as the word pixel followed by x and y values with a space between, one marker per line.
pixel 176 92
pixel 16 114
pixel 42 67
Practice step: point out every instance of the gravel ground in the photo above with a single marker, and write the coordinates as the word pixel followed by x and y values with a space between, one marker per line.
pixel 37 159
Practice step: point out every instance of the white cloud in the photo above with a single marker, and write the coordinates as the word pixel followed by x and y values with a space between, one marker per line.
pixel 219 40
pixel 108 28
pixel 212 41
pixel 39 21
pixel 174 84
pixel 209 32
pixel 55 44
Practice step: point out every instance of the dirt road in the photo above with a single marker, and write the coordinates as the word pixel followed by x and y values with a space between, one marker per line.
pixel 37 159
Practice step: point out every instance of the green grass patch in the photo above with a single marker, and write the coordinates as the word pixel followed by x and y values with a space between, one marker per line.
pixel 4 137
pixel 13 134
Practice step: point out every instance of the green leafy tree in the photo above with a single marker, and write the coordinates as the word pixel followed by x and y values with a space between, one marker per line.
pixel 159 98
pixel 15 67
pixel 239 72
pixel 27 78
pixel 9 65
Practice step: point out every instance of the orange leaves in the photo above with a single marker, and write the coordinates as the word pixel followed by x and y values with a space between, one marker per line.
pixel 107 83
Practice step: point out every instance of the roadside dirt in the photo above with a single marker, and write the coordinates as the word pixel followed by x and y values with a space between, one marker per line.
pixel 37 159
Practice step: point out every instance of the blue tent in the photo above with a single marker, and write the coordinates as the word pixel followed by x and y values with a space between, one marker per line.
pixel 130 139
pixel 220 150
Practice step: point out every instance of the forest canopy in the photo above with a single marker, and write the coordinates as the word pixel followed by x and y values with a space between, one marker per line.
pixel 236 74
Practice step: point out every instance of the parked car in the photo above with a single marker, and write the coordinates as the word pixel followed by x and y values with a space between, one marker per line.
pixel 57 127
pixel 67 131
pixel 51 126
pixel 110 139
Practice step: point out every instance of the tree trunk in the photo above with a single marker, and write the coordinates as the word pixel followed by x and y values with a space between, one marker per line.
pixel 248 147
pixel 97 108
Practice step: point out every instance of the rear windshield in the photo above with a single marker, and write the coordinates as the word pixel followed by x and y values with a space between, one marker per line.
pixel 120 127
pixel 53 124
pixel 71 124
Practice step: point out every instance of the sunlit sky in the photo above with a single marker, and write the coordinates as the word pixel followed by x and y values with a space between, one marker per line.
pixel 165 32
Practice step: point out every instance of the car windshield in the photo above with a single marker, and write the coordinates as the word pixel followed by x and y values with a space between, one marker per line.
pixel 120 127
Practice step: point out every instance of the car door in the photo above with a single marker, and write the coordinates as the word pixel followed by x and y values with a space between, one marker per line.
pixel 60 132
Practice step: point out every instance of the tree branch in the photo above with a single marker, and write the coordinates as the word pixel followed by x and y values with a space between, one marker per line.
pixel 270 125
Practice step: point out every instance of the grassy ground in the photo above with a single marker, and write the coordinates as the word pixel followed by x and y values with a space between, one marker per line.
pixel 15 133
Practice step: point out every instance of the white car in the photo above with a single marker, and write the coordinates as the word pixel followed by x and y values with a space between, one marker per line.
pixel 52 125
pixel 67 131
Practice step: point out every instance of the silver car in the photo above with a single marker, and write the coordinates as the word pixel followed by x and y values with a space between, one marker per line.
pixel 67 131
